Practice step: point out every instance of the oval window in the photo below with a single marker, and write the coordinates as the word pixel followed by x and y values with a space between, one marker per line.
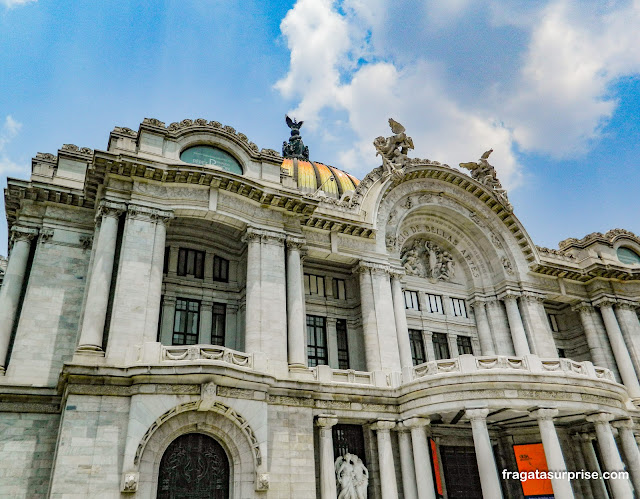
pixel 209 155
pixel 628 256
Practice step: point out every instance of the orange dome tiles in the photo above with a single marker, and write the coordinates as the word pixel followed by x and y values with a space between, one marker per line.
pixel 313 175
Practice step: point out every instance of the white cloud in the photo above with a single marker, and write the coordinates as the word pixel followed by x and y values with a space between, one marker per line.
pixel 8 132
pixel 15 3
pixel 571 53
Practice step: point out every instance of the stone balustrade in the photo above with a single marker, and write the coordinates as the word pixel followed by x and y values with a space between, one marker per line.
pixel 532 364
pixel 326 374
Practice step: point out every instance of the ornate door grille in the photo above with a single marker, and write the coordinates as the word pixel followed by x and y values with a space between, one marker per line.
pixel 461 472
pixel 348 438
pixel 194 466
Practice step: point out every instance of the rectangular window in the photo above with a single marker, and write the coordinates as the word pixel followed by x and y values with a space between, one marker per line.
pixel 316 341
pixel 434 304
pixel 417 347
pixel 186 322
pixel 314 284
pixel 441 346
pixel 220 269
pixel 411 300
pixel 464 345
pixel 553 322
pixel 459 307
pixel 218 324
pixel 343 344
pixel 562 353
pixel 339 289
pixel 191 263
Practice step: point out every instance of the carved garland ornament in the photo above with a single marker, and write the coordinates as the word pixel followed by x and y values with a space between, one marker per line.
pixel 426 259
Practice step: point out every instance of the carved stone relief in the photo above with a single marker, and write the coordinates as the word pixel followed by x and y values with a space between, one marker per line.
pixel 352 477
pixel 424 258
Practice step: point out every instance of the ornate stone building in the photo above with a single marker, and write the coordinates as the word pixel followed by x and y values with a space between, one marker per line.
pixel 186 315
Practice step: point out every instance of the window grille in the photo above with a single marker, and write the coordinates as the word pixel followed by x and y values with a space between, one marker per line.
pixel 441 346
pixel 434 304
pixel 191 263
pixel 186 322
pixel 343 344
pixel 464 345
pixel 459 307
pixel 348 439
pixel 316 340
pixel 220 269
pixel 417 347
pixel 411 300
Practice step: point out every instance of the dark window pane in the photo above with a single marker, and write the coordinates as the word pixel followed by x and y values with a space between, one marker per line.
pixel 191 263
pixel 464 345
pixel 220 269
pixel 186 322
pixel 441 346
pixel 182 262
pixel 218 324
pixel 417 347
pixel 348 439
pixel 343 344
pixel 316 341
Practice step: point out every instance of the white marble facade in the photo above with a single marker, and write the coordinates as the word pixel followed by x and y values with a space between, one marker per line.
pixel 407 328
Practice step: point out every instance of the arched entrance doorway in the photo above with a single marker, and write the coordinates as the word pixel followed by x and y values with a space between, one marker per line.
pixel 194 466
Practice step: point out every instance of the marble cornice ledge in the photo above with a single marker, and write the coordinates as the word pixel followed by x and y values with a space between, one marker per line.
pixel 22 399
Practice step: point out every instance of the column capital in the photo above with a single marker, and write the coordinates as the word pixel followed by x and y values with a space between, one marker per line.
pixel 585 436
pixel 533 297
pixel 544 414
pixel 477 302
pixel 412 423
pixel 383 425
pixel 295 243
pixel 509 295
pixel 627 305
pixel 624 423
pixel 264 235
pixel 606 302
pixel 373 267
pixel 583 306
pixel 326 421
pixel 600 417
pixel 396 273
pixel 110 209
pixel 21 233
pixel 477 414
pixel 147 213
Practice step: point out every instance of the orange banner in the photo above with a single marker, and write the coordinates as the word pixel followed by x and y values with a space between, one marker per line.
pixel 530 457
pixel 436 466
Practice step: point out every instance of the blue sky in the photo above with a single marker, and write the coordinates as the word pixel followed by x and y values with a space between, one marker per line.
pixel 552 86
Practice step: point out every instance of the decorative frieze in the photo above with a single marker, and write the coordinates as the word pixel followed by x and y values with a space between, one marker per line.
pixel 423 258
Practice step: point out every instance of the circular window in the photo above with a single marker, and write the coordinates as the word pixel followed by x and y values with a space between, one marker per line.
pixel 209 155
pixel 628 256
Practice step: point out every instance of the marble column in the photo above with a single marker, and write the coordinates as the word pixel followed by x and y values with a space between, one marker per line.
pixel 406 463
pixel 369 322
pixel 620 352
pixel 422 461
pixel 630 325
pixel 325 423
pixel 296 321
pixel 621 487
pixel 553 452
pixel 484 330
pixel 598 487
pixel 540 331
pixel 98 295
pixel 168 316
pixel 253 298
pixel 630 449
pixel 386 324
pixel 585 311
pixel 499 327
pixel 518 334
pixel 206 322
pixel 402 330
pixel 385 459
pixel 12 287
pixel 489 480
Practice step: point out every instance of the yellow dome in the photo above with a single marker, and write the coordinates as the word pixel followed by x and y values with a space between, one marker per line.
pixel 312 176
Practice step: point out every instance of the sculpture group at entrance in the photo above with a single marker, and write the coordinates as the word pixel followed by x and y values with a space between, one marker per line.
pixel 352 477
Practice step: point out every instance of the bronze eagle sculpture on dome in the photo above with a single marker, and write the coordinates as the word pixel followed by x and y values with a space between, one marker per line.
pixel 295 148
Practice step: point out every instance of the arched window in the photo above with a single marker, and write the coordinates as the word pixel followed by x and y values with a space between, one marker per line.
pixel 209 155
pixel 194 465
pixel 628 256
